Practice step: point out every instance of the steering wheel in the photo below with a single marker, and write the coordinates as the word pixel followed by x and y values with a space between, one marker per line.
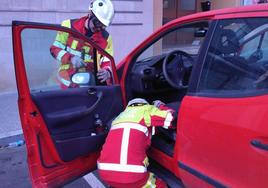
pixel 174 69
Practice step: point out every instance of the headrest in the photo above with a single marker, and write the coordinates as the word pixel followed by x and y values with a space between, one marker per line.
pixel 228 42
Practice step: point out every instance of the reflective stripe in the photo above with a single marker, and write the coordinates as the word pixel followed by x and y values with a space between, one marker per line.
pixel 168 120
pixel 88 57
pixel 86 48
pixel 147 118
pixel 74 44
pixel 82 69
pixel 146 162
pixel 74 52
pixel 124 146
pixel 64 67
pixel 61 54
pixel 104 59
pixel 66 23
pixel 151 182
pixel 109 47
pixel 63 81
pixel 78 53
pixel 125 139
pixel 132 126
pixel 122 167
pixel 59 44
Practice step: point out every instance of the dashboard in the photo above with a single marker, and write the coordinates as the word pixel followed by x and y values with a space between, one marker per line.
pixel 147 75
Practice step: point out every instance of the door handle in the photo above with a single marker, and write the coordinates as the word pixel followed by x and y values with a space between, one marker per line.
pixel 99 97
pixel 258 144
pixel 92 91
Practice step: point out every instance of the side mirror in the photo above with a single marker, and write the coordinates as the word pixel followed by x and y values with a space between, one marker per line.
pixel 201 32
pixel 81 78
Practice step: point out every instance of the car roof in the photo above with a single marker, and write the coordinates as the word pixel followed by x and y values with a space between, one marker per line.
pixel 239 9
pixel 219 14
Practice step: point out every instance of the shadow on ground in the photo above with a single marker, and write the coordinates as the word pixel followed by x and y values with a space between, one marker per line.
pixel 14 170
pixel 13 162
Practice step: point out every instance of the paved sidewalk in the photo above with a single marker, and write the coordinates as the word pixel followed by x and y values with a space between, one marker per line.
pixel 13 162
pixel 9 116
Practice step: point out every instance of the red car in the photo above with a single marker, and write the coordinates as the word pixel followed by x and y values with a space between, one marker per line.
pixel 211 67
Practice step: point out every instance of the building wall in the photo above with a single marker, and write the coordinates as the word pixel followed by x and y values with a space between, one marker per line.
pixel 218 4
pixel 134 21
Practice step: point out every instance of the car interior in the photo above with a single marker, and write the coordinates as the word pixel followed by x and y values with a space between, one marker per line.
pixel 162 72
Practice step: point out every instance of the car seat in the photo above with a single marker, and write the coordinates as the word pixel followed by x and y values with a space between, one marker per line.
pixel 229 43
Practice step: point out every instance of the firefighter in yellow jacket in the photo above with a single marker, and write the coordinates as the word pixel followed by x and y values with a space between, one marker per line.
pixel 74 54
pixel 123 161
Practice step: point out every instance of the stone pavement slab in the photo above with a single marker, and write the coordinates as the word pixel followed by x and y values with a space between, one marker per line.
pixel 9 116
pixel 14 171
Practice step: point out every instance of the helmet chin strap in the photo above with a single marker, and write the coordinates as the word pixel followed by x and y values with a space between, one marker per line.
pixel 88 22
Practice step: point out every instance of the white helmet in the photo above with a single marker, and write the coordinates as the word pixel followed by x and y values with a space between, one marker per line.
pixel 103 10
pixel 137 101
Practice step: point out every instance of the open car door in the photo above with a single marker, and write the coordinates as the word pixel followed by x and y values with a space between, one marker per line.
pixel 59 124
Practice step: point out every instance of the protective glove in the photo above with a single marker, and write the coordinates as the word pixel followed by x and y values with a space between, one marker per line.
pixel 103 75
pixel 158 103
pixel 77 62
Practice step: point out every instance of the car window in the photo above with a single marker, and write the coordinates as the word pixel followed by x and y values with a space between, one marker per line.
pixel 237 59
pixel 46 64
pixel 187 38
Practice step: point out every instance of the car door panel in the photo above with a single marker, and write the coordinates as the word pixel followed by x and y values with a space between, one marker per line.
pixel 77 107
pixel 71 121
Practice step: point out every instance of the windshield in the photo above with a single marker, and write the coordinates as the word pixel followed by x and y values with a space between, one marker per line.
pixel 187 38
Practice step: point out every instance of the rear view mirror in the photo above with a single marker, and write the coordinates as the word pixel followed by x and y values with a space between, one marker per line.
pixel 201 32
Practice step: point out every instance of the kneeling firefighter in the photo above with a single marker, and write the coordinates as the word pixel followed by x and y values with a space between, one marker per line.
pixel 123 161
